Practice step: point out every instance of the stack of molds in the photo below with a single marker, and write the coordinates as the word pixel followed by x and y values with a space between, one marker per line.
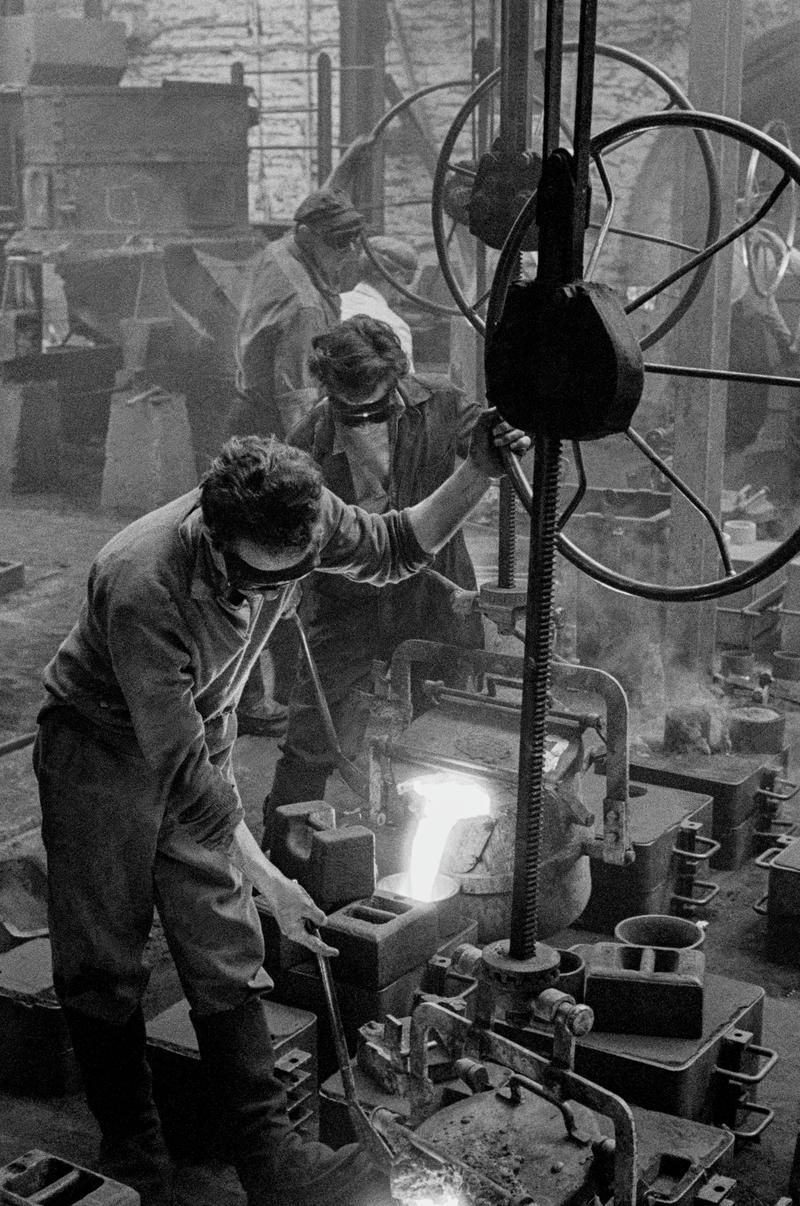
pixel 782 901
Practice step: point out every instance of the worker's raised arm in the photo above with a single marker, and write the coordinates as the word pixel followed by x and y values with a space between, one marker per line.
pixel 439 516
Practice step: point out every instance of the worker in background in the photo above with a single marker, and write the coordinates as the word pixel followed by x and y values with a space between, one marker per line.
pixel 760 342
pixel 373 293
pixel 140 808
pixel 291 295
pixel 383 439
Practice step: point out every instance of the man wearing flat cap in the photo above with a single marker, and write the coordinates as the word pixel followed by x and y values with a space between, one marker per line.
pixel 292 295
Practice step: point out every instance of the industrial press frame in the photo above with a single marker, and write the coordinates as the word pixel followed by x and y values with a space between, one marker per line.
pixel 515 977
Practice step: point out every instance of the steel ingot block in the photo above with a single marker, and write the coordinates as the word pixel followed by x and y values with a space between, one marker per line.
pixel 645 990
pixel 335 866
pixel 379 939
pixel 37 1176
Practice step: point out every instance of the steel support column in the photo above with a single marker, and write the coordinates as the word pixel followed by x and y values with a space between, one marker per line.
pixel 363 33
pixel 702 339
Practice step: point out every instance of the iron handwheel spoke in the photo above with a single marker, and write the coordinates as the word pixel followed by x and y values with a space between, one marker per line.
pixel 732 582
pixel 677 102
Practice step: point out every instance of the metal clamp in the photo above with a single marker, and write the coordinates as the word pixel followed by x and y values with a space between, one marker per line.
pixel 751 1078
pixel 766 858
pixel 751 1107
pixel 760 906
pixel 701 900
pixel 698 856
pixel 769 793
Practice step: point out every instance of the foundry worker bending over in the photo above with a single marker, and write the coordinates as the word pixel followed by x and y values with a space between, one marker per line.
pixel 384 439
pixel 140 808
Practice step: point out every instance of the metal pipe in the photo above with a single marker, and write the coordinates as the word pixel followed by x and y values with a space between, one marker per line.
pixel 16 743
pixel 347 769
pixel 324 118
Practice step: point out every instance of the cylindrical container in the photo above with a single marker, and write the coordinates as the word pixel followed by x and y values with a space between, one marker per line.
pixel 756 730
pixel 660 931
pixel 571 973
pixel 740 531
pixel 739 661
pixel 786 665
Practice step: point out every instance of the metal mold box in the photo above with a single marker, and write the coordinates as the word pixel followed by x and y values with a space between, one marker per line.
pixel 644 886
pixel 675 1075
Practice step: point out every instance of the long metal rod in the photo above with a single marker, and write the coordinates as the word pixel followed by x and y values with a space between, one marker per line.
pixel 561 243
pixel 536 684
pixel 686 370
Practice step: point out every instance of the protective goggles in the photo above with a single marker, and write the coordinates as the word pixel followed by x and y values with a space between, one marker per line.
pixel 355 414
pixel 342 239
pixel 243 576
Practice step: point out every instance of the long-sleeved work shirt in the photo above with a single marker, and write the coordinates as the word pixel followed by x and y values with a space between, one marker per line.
pixel 163 646
pixel 286 303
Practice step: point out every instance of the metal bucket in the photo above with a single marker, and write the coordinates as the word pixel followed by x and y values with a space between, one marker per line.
pixel 660 931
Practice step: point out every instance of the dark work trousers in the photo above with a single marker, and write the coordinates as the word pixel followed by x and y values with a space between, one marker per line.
pixel 112 857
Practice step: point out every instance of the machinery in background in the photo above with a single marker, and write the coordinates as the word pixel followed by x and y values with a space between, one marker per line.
pixel 124 272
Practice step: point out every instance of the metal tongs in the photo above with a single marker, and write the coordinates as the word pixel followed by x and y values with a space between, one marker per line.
pixel 376 1148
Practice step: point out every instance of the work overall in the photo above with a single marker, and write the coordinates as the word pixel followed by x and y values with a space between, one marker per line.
pixel 350 625
pixel 133 759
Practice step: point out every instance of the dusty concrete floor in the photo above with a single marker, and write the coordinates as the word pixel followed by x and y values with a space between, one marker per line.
pixel 56 540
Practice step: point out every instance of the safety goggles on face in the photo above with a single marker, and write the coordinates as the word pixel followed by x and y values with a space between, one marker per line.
pixel 341 240
pixel 355 414
pixel 243 576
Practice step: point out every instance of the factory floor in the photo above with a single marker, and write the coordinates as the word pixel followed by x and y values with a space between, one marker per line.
pixel 56 538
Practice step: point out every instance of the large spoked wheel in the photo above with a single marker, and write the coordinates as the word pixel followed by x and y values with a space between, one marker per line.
pixel 787 175
pixel 448 168
pixel 392 114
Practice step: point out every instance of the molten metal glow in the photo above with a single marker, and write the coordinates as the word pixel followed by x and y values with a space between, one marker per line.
pixel 445 802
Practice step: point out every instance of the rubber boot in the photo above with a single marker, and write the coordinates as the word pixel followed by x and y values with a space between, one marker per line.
pixel 119 1092
pixel 276 1166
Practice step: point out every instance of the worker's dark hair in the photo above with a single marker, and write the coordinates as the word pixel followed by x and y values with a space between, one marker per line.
pixel 351 359
pixel 261 490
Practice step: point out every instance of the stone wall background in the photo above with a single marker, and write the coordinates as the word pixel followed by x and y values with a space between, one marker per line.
pixel 199 39
pixel 278 42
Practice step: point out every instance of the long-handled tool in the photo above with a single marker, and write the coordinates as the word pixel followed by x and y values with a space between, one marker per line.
pixel 352 776
pixel 376 1148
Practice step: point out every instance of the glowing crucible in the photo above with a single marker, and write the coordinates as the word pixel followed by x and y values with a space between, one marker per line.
pixel 445 802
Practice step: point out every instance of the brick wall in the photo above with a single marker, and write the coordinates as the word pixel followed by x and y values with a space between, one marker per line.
pixel 200 39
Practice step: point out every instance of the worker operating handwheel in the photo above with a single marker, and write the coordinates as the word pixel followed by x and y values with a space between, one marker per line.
pixel 140 808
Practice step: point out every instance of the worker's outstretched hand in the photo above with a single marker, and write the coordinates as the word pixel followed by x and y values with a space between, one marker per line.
pixel 293 908
pixel 489 435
